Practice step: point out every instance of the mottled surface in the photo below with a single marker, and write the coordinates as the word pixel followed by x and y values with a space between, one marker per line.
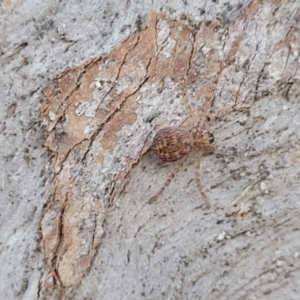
pixel 170 249
pixel 173 143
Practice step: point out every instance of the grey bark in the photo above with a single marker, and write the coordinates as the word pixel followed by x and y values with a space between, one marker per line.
pixel 172 249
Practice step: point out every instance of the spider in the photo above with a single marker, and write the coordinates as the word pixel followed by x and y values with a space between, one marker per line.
pixel 173 143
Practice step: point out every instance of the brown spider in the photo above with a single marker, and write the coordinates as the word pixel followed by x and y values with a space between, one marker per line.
pixel 173 143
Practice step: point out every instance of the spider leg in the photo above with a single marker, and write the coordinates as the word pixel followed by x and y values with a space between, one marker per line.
pixel 171 176
pixel 197 177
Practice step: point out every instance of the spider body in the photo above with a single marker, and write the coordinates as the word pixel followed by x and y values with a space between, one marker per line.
pixel 172 143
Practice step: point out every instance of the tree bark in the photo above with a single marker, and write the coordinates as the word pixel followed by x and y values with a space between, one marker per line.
pixel 77 217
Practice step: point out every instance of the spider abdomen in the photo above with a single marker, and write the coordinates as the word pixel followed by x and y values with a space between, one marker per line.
pixel 172 143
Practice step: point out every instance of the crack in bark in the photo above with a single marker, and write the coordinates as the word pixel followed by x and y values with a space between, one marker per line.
pixel 238 91
pixel 125 56
pixel 53 264
pixel 192 53
pixel 256 97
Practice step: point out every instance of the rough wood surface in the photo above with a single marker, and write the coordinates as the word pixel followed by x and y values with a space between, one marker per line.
pixel 91 232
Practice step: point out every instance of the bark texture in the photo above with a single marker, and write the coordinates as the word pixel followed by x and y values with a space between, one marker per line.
pixel 78 224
